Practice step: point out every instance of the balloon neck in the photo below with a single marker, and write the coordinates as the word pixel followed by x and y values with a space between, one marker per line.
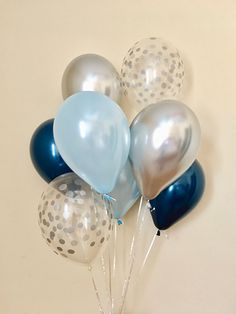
pixel 158 233
pixel 109 198
pixel 119 222
pixel 149 206
pixel 152 209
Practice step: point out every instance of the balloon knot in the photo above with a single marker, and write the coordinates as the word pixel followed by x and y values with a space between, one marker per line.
pixel 158 233
pixel 119 222
pixel 152 209
pixel 109 198
pixel 149 206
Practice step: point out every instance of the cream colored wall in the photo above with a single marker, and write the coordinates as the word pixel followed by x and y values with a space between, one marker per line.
pixel 192 272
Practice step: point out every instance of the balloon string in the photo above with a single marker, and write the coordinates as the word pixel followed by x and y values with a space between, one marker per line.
pixel 115 248
pixel 109 252
pixel 107 284
pixel 114 257
pixel 132 253
pixel 106 279
pixel 110 288
pixel 137 227
pixel 96 290
pixel 148 252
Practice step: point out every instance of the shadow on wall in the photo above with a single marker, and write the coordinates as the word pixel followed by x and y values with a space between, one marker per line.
pixel 209 158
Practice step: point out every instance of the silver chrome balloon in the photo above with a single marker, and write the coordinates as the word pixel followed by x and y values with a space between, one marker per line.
pixel 164 141
pixel 74 219
pixel 91 72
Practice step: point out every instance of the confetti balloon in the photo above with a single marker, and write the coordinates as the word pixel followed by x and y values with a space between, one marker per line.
pixel 74 219
pixel 152 70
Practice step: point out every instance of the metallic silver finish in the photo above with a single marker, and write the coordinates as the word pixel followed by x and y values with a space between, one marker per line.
pixel 91 72
pixel 164 142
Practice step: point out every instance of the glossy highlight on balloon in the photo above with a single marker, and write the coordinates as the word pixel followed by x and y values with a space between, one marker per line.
pixel 179 198
pixel 92 135
pixel 91 72
pixel 165 138
pixel 44 153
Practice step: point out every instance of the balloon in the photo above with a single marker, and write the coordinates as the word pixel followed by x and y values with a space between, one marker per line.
pixel 152 70
pixel 164 141
pixel 74 220
pixel 91 72
pixel 125 193
pixel 179 198
pixel 44 154
pixel 93 137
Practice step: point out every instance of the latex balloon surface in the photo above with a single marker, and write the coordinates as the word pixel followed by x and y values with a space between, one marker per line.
pixel 91 72
pixel 74 220
pixel 152 70
pixel 125 193
pixel 44 153
pixel 179 198
pixel 93 137
pixel 164 142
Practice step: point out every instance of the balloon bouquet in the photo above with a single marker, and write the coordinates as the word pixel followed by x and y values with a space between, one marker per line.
pixel 97 166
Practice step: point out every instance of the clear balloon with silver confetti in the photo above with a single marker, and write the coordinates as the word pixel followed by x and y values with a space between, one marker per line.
pixel 152 70
pixel 74 219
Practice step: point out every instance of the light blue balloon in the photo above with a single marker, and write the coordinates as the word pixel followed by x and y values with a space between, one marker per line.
pixel 125 192
pixel 92 135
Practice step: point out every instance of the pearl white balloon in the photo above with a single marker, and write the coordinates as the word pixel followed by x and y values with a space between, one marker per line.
pixel 91 72
pixel 152 70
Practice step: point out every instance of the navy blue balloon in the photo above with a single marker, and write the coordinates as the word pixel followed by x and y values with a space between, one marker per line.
pixel 44 154
pixel 179 198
